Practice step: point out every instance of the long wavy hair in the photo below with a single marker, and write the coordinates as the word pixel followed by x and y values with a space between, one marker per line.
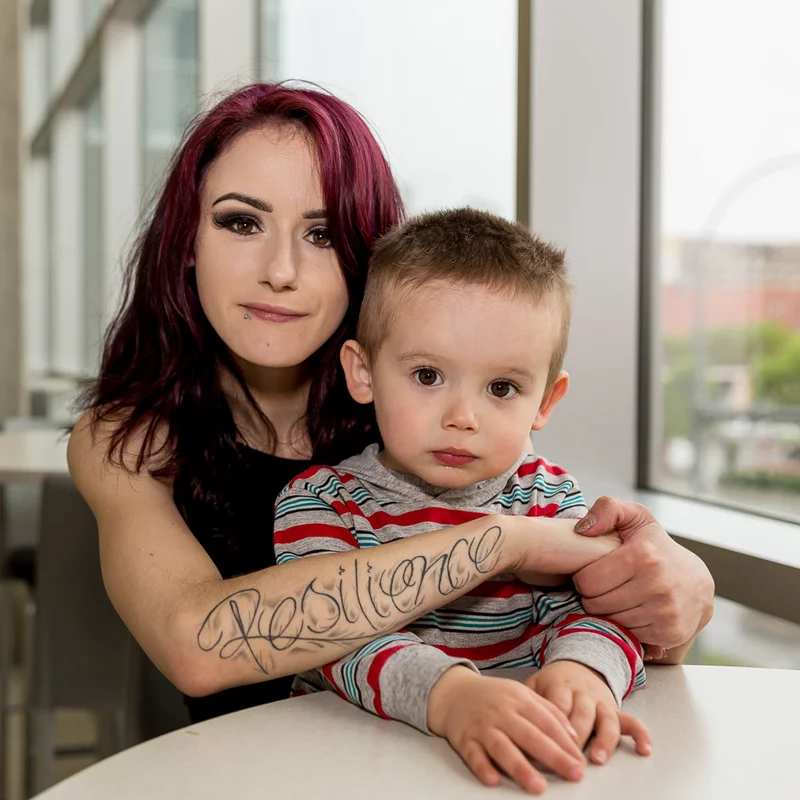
pixel 160 379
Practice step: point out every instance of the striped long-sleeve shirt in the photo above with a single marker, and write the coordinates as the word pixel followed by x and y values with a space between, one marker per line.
pixel 501 623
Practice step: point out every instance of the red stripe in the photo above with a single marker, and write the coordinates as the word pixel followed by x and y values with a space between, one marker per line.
pixel 327 671
pixel 439 516
pixel 309 473
pixel 315 530
pixel 489 651
pixel 550 510
pixel 540 464
pixel 630 653
pixel 374 672
pixel 499 589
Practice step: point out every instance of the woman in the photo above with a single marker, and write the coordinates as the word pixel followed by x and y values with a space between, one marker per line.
pixel 220 382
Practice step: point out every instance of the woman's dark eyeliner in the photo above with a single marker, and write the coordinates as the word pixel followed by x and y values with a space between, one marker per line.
pixel 222 220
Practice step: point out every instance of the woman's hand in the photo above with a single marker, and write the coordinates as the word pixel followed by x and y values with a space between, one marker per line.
pixel 585 698
pixel 500 723
pixel 652 586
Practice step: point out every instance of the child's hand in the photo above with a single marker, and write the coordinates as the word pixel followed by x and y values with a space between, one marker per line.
pixel 502 721
pixel 556 552
pixel 588 702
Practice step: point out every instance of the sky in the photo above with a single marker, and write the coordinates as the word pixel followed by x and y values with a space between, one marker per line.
pixel 731 120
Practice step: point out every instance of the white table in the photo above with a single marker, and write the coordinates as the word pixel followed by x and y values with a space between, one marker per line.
pixel 719 732
pixel 27 456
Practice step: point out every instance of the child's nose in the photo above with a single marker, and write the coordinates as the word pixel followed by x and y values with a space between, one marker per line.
pixel 461 416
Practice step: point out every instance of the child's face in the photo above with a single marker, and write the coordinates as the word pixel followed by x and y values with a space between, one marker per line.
pixel 459 382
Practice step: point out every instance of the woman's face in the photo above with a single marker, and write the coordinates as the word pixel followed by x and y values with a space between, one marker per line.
pixel 268 279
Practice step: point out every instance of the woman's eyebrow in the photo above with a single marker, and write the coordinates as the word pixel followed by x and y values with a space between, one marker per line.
pixel 316 213
pixel 243 198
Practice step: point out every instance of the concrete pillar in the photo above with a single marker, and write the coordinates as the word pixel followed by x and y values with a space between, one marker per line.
pixel 11 344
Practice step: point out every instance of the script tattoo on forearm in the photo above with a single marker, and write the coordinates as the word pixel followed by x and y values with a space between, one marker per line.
pixel 353 607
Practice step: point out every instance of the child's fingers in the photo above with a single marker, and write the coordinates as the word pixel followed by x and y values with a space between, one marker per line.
pixel 583 716
pixel 607 733
pixel 511 760
pixel 553 723
pixel 560 697
pixel 637 730
pixel 476 759
pixel 542 749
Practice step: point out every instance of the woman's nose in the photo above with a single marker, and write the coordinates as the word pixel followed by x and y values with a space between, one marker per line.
pixel 279 269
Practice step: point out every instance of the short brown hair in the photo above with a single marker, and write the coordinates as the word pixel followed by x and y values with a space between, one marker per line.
pixel 463 246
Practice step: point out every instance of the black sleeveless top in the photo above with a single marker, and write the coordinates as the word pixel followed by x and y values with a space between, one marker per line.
pixel 239 539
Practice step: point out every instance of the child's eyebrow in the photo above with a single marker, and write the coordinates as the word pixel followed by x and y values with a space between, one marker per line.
pixel 517 372
pixel 419 355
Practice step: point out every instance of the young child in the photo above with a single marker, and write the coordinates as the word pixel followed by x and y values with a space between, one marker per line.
pixel 460 346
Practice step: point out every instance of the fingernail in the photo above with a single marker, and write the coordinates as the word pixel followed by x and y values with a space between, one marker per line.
pixel 575 774
pixel 584 524
pixel 647 749
pixel 572 731
pixel 599 756
pixel 536 786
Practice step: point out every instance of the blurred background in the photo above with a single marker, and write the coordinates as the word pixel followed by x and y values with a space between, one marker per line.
pixel 658 141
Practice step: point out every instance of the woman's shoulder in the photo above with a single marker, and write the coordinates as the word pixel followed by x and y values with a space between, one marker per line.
pixel 107 444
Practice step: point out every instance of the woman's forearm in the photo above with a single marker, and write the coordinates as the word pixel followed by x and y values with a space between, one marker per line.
pixel 308 612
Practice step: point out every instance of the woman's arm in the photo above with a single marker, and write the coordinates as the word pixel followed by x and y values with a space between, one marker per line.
pixel 206 634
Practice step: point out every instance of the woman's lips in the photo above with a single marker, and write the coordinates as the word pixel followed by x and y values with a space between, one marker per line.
pixel 273 313
pixel 454 458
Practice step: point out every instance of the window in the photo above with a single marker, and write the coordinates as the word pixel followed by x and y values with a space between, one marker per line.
pixel 92 11
pixel 741 636
pixel 726 327
pixel 170 83
pixel 437 81
pixel 93 278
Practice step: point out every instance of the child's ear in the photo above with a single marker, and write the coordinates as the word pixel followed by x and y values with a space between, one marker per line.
pixel 356 371
pixel 550 400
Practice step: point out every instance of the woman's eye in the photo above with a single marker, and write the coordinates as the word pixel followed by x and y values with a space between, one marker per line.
pixel 320 237
pixel 427 377
pixel 236 223
pixel 502 389
pixel 243 226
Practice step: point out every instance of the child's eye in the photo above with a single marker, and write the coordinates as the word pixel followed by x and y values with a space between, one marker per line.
pixel 427 376
pixel 502 389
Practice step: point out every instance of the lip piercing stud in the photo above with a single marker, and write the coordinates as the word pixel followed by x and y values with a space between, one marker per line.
pixel 246 316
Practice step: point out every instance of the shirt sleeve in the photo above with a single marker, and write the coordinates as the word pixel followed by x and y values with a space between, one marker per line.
pixel 570 634
pixel 391 676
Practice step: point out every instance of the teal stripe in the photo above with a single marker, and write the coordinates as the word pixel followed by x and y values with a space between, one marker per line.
pixel 350 667
pixel 467 623
pixel 367 539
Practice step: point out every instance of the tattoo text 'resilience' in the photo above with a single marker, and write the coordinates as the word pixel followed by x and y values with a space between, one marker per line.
pixel 354 607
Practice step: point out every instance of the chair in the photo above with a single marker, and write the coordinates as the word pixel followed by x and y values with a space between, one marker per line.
pixel 83 656
pixel 82 653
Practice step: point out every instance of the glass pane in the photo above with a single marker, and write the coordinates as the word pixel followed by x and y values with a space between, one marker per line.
pixel 728 331
pixel 437 81
pixel 92 9
pixel 93 142
pixel 740 636
pixel 170 82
